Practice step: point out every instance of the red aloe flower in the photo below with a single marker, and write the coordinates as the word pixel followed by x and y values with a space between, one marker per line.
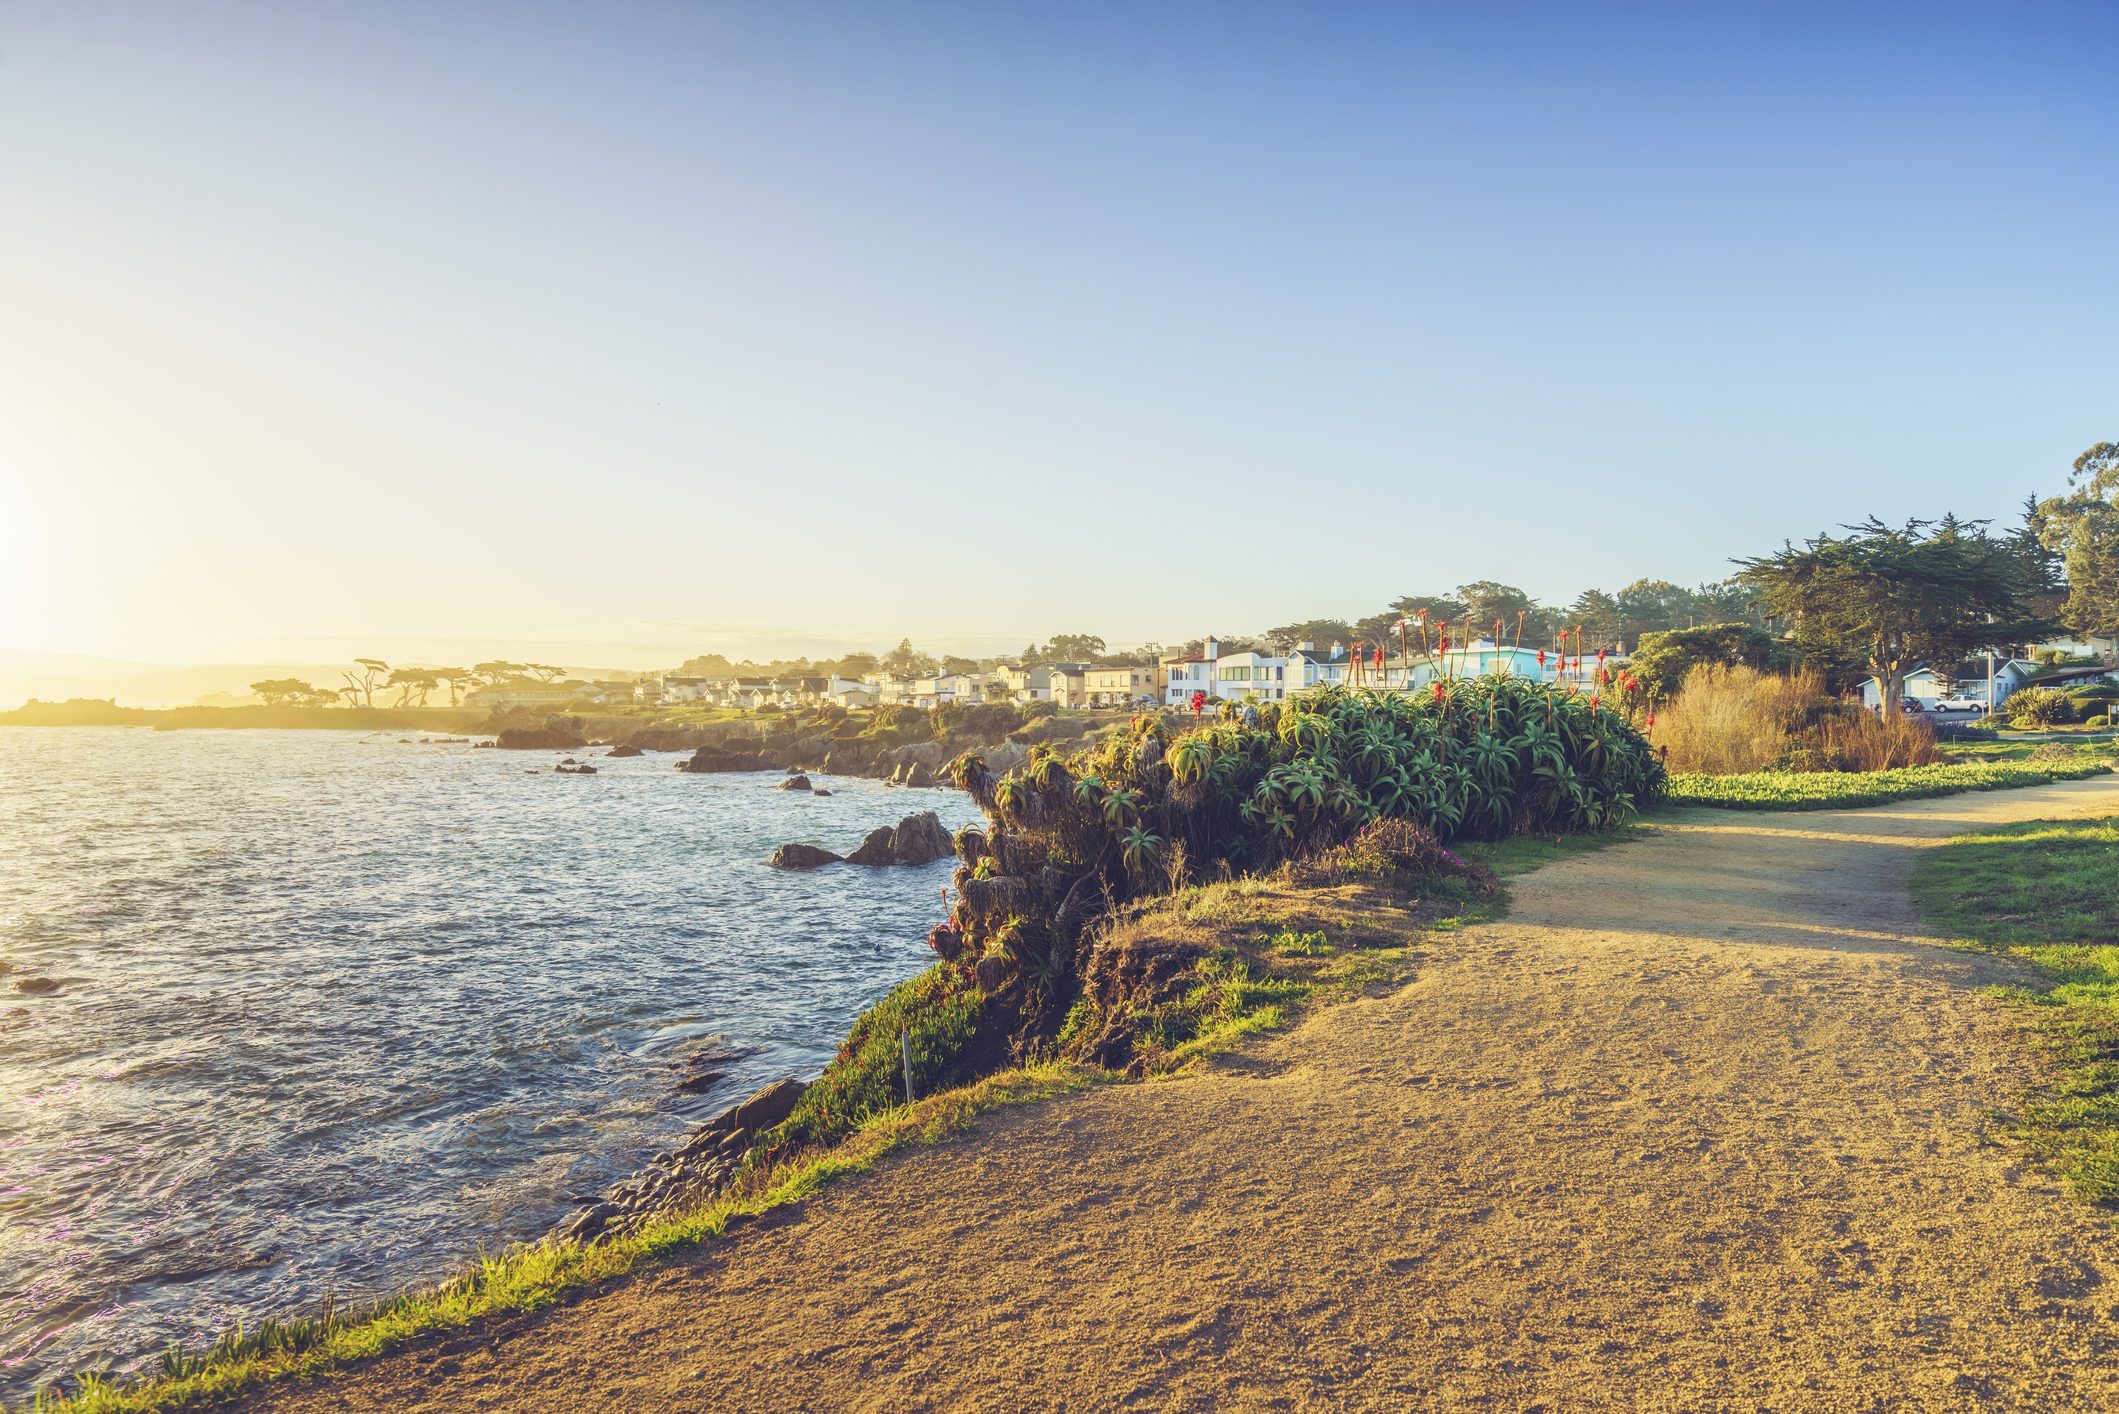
pixel 1592 701
pixel 1438 690
pixel 1651 721
pixel 1541 660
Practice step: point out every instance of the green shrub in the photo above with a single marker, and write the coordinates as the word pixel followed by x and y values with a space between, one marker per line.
pixel 900 725
pixel 940 1009
pixel 974 723
pixel 1661 660
pixel 2039 707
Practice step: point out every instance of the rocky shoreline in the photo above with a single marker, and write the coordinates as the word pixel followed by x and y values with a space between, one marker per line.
pixel 715 749
pixel 691 1173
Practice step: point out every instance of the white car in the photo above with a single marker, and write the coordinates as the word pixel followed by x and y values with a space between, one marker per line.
pixel 1960 703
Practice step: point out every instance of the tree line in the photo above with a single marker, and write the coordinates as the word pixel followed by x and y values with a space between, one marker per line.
pixel 414 686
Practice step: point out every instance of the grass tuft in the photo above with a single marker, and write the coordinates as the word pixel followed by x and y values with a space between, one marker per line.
pixel 2047 892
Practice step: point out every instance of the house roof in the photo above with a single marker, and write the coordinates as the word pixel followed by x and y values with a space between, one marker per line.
pixel 2087 670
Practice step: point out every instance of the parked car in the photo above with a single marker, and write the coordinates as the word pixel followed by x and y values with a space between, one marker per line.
pixel 1961 703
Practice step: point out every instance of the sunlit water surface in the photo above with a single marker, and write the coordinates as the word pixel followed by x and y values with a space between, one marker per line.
pixel 332 1010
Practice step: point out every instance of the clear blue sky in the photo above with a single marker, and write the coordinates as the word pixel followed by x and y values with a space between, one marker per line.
pixel 613 331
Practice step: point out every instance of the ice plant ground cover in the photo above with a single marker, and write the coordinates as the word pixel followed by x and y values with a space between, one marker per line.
pixel 1832 790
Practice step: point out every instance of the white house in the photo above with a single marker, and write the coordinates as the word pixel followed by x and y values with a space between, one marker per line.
pixel 525 692
pixel 1182 675
pixel 1311 667
pixel 1251 674
pixel 851 692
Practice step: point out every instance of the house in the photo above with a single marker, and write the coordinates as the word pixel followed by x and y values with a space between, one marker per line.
pixel 2102 647
pixel 526 692
pixel 851 693
pixel 1311 667
pixel 1925 687
pixel 1183 675
pixel 1025 684
pixel 1119 687
pixel 1251 674
pixel 1066 684
pixel 965 687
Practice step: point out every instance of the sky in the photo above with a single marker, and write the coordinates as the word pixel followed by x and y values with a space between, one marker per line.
pixel 611 334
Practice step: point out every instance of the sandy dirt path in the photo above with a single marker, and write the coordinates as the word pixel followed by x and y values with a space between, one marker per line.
pixel 1704 1123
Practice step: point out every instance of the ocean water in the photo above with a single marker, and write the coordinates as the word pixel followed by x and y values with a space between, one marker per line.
pixel 333 1010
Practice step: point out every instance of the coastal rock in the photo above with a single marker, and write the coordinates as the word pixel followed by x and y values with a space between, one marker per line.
pixel 557 734
pixel 802 856
pixel 769 1106
pixel 708 759
pixel 820 791
pixel 917 839
pixel 624 749
pixel 797 782
pixel 36 986
pixel 590 1222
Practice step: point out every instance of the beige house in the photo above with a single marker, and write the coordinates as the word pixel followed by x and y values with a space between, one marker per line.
pixel 1119 687
pixel 1067 685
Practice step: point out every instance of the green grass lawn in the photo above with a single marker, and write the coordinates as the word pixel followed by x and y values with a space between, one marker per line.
pixel 1830 790
pixel 2047 892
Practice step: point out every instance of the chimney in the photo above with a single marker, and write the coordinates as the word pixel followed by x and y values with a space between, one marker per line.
pixel 1213 648
pixel 1308 645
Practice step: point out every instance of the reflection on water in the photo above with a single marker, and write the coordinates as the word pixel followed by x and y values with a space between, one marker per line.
pixel 330 1011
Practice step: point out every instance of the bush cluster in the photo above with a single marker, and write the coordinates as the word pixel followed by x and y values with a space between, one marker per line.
pixel 2054 707
pixel 1734 720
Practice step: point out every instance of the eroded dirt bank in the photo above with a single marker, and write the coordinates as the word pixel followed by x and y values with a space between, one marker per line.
pixel 1704 1122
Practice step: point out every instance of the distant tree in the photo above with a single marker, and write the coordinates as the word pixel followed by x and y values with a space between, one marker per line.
pixel 1728 601
pixel 1662 659
pixel 280 691
pixel 2082 528
pixel 312 697
pixel 1655 606
pixel 953 664
pixel 1896 596
pixel 456 678
pixel 1438 606
pixel 1597 615
pixel 544 672
pixel 362 679
pixel 1322 632
pixel 499 670
pixel 1073 648
pixel 906 659
pixel 1487 603
pixel 413 685
pixel 857 665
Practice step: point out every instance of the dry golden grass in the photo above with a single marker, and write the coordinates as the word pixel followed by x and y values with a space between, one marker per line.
pixel 1728 721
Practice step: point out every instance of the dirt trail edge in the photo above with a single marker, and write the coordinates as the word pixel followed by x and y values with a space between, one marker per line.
pixel 1703 1122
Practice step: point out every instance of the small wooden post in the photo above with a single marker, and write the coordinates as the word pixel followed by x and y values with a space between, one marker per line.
pixel 905 1049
